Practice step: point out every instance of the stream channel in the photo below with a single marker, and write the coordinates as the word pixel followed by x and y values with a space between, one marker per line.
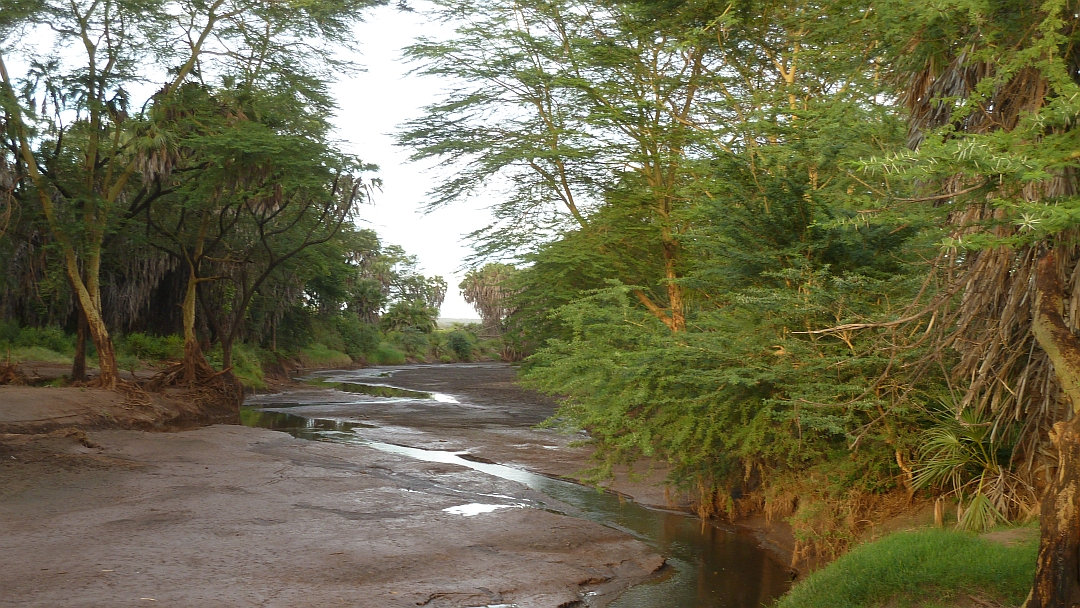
pixel 708 566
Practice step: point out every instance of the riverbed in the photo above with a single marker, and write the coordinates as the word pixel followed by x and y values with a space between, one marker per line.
pixel 475 417
pixel 445 496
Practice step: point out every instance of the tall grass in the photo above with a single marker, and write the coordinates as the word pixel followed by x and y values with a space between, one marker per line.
pixel 920 568
pixel 319 355
pixel 387 355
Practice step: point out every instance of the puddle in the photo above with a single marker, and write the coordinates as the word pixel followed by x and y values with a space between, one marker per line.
pixel 476 508
pixel 298 426
pixel 373 390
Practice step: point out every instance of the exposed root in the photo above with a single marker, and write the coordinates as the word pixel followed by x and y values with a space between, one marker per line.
pixel 134 395
pixel 205 383
pixel 10 374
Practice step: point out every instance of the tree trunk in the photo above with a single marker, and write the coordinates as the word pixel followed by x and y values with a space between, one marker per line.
pixel 675 291
pixel 78 366
pixel 226 353
pixel 88 294
pixel 193 358
pixel 1057 576
pixel 109 372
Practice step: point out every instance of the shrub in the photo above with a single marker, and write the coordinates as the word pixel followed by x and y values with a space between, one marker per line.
pixel 9 332
pixel 319 355
pixel 52 338
pixel 152 348
pixel 415 342
pixel 461 344
pixel 358 338
pixel 446 359
pixel 246 363
pixel 128 362
pixel 387 355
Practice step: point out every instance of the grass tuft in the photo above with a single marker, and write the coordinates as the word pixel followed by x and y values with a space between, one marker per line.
pixel 35 353
pixel 920 568
pixel 387 355
pixel 319 355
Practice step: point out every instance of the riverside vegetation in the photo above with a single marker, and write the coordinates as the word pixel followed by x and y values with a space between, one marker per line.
pixel 818 257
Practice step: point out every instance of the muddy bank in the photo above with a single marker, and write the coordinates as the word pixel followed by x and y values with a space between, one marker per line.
pixel 28 409
pixel 229 515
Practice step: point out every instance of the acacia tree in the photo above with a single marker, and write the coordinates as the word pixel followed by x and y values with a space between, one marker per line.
pixel 68 121
pixel 565 100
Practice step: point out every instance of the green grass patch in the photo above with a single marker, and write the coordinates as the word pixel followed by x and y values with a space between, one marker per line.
pixel 918 569
pixel 387 355
pixel 319 355
pixel 246 363
pixel 35 353
pixel 152 348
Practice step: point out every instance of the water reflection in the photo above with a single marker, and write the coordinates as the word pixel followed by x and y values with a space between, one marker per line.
pixel 374 390
pixel 297 426
pixel 710 566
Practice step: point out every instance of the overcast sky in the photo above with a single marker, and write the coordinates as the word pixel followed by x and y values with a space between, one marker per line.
pixel 372 105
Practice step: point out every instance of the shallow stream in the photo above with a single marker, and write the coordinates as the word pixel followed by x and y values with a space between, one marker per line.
pixel 707 566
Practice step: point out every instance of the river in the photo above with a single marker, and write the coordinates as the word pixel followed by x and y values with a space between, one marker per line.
pixel 392 410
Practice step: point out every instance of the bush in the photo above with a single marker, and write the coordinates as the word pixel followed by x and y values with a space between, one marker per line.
pixel 9 332
pixel 52 338
pixel 460 342
pixel 415 342
pixel 152 348
pixel 358 338
pixel 19 354
pixel 246 363
pixel 128 362
pixel 387 355
pixel 446 359
pixel 319 355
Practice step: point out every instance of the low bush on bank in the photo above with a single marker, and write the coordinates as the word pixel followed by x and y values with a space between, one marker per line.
pixel 387 355
pixel 247 363
pixel 18 354
pixel 922 568
pixel 45 344
pixel 319 355
pixel 148 347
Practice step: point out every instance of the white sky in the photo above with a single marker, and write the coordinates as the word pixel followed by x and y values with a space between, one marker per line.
pixel 372 105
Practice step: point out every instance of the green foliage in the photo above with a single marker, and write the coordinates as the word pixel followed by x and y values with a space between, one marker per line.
pixel 460 343
pixel 247 363
pixel 386 354
pixel 319 355
pixel 359 339
pixel 414 342
pixel 918 568
pixel 967 457
pixel 129 363
pixel 151 348
pixel 33 353
pixel 51 338
pixel 410 314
